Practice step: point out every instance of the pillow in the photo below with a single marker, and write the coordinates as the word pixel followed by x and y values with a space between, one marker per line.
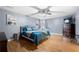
pixel 34 28
pixel 24 29
pixel 29 29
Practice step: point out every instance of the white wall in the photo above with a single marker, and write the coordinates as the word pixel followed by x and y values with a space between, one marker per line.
pixel 56 25
pixel 0 23
pixel 31 21
pixel 77 26
pixel 77 23
pixel 11 29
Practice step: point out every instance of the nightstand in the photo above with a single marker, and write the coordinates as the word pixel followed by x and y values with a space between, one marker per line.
pixel 16 36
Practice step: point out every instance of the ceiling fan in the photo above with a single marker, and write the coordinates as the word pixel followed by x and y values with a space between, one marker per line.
pixel 45 11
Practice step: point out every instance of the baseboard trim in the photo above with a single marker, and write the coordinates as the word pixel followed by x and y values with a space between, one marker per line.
pixel 10 39
pixel 56 34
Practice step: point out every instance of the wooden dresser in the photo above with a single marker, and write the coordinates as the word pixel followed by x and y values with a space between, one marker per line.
pixel 3 42
pixel 69 28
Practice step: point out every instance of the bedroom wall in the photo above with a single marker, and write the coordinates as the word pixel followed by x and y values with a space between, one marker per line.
pixel 11 29
pixel 0 23
pixel 77 25
pixel 32 21
pixel 56 25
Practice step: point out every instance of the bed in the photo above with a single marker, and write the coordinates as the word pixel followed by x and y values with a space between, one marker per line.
pixel 33 35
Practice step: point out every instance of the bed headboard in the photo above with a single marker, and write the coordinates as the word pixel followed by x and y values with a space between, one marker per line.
pixel 23 28
pixel 27 28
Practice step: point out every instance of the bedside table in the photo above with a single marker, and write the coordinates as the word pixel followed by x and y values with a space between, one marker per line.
pixel 16 36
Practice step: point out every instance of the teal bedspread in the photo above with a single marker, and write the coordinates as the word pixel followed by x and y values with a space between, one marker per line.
pixel 35 36
pixel 38 36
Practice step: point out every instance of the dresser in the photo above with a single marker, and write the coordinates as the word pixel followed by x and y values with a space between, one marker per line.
pixel 3 42
pixel 69 27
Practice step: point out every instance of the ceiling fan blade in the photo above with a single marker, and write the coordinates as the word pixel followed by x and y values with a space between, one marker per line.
pixel 35 7
pixel 31 17
pixel 57 12
pixel 34 13
pixel 48 7
pixel 48 13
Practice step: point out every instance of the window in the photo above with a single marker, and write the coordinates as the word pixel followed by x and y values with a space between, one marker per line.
pixel 42 24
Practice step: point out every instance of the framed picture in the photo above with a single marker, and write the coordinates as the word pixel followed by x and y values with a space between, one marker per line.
pixel 11 19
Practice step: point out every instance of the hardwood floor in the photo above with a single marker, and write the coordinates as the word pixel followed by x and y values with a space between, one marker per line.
pixel 55 43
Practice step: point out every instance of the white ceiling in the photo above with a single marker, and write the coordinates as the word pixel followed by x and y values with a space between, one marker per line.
pixel 27 10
